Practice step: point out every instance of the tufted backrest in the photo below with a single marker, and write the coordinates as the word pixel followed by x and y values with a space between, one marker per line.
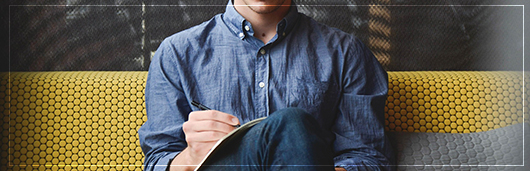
pixel 89 120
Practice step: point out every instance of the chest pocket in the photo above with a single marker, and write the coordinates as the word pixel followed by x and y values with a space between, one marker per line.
pixel 313 96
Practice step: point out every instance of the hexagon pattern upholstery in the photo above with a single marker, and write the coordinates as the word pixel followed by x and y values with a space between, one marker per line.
pixel 89 120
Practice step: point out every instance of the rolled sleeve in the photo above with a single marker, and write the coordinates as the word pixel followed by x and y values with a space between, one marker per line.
pixel 161 136
pixel 361 143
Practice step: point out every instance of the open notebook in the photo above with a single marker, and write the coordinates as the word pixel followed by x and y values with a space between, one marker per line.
pixel 235 133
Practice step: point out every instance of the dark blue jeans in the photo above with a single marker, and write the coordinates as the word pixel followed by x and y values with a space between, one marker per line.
pixel 289 139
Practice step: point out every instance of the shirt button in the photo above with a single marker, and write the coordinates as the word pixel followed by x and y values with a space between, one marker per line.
pixel 241 35
pixel 261 84
pixel 247 28
pixel 262 51
pixel 283 34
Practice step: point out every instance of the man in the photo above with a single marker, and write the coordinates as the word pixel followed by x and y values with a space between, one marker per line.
pixel 321 89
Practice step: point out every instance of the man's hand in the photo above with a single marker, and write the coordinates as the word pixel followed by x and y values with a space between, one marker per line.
pixel 203 129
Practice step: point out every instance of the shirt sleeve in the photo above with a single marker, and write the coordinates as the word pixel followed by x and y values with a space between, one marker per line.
pixel 360 142
pixel 161 136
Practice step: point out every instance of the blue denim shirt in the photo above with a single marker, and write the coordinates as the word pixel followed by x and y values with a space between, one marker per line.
pixel 327 72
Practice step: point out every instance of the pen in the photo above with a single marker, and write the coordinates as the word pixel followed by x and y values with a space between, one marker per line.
pixel 202 107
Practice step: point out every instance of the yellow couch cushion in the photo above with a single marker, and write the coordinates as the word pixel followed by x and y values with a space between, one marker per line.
pixel 72 120
pixel 89 120
pixel 454 102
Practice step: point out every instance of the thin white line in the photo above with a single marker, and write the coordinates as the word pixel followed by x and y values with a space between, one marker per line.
pixel 480 165
pixel 77 165
pixel 9 67
pixel 9 90
pixel 99 165
pixel 348 5
pixel 523 89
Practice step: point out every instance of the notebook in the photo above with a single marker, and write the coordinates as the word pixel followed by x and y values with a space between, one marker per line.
pixel 235 133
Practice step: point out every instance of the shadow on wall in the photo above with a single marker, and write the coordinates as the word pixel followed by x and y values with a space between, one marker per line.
pixel 78 35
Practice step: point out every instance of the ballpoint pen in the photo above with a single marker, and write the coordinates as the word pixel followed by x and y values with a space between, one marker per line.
pixel 202 107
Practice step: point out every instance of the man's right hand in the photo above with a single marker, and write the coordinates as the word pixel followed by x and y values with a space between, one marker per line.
pixel 203 129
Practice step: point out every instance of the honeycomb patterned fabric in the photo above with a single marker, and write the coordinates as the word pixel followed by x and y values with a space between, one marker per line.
pixel 454 102
pixel 72 120
pixel 499 149
pixel 89 120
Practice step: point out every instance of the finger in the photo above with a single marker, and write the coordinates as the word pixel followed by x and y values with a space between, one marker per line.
pixel 201 149
pixel 213 115
pixel 207 125
pixel 204 137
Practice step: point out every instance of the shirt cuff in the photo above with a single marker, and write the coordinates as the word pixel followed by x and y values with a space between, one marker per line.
pixel 164 162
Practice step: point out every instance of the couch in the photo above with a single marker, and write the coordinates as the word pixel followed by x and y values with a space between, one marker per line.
pixel 81 120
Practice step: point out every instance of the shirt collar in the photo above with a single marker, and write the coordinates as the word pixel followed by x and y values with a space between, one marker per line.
pixel 237 23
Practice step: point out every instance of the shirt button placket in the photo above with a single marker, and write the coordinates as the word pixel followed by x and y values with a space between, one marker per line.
pixel 261 80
